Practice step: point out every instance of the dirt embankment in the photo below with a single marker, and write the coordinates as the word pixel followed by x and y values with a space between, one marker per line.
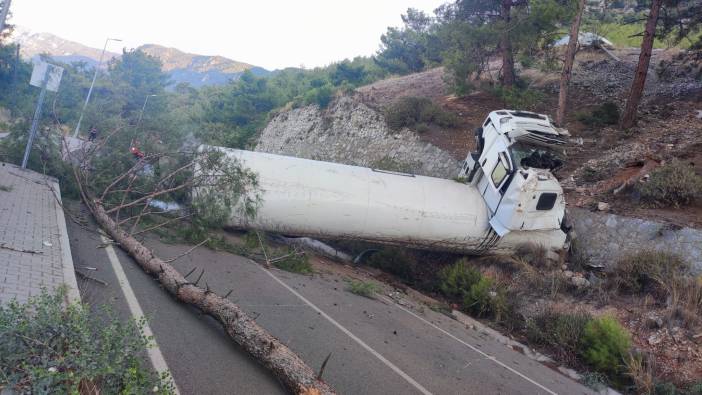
pixel 669 126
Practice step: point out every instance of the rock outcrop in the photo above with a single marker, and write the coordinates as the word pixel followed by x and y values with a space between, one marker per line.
pixel 352 133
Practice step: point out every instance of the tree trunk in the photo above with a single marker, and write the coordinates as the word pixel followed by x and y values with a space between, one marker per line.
pixel 568 64
pixel 637 86
pixel 292 371
pixel 508 76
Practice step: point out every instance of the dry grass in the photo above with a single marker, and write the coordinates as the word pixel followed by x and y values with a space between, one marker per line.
pixel 640 369
pixel 685 300
pixel 648 271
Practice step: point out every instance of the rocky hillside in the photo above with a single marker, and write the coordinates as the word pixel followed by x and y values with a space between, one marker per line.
pixel 196 70
pixel 351 132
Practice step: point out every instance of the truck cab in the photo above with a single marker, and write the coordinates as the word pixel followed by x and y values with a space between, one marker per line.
pixel 516 152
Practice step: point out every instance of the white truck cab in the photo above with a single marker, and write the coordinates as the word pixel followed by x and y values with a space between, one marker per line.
pixel 511 168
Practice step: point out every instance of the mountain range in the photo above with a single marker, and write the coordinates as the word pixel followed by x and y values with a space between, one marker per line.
pixel 196 70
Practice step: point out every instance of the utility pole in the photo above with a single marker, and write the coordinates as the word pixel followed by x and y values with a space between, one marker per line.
pixel 3 14
pixel 35 121
pixel 90 91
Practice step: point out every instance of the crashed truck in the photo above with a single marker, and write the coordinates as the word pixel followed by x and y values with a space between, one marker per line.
pixel 505 195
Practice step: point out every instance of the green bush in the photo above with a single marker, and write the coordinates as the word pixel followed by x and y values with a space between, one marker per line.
pixel 673 184
pixel 389 164
pixel 695 389
pixel 604 344
pixel 397 261
pixel 362 288
pixel 605 114
pixel 518 98
pixel 46 347
pixel 418 113
pixel 320 96
pixel 647 271
pixel 455 281
pixel 478 294
pixel 482 301
pixel 294 262
pixel 561 332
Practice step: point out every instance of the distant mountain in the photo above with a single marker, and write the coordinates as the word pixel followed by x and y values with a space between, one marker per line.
pixel 34 44
pixel 199 70
pixel 196 70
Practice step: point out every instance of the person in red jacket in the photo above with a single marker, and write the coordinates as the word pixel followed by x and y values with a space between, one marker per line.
pixel 136 151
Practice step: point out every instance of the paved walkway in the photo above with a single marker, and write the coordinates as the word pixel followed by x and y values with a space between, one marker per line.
pixel 34 247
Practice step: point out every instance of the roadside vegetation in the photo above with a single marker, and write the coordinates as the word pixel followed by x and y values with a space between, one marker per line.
pixel 418 113
pixel 673 184
pixel 47 347
pixel 366 289
pixel 569 324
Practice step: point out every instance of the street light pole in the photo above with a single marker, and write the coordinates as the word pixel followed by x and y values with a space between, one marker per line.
pixel 90 91
pixel 142 110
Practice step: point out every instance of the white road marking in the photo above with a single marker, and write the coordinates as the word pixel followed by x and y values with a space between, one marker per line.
pixel 154 352
pixel 368 348
pixel 487 356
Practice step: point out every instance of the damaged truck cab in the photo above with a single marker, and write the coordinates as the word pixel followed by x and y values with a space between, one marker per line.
pixel 511 168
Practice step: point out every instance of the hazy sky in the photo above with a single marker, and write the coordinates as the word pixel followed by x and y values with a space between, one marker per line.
pixel 271 34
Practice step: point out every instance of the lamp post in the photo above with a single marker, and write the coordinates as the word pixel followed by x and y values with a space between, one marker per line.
pixel 90 91
pixel 141 114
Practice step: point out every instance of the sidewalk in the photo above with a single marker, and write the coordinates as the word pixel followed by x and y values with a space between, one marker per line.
pixel 34 247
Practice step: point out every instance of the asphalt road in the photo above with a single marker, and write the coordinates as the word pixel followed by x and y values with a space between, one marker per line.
pixel 377 346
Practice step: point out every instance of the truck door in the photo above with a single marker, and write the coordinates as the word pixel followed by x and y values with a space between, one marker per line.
pixel 497 175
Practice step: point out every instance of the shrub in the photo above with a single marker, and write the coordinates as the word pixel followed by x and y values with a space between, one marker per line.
pixel 455 281
pixel 519 98
pixel 673 184
pixel 418 113
pixel 535 255
pixel 294 262
pixel 648 271
pixel 482 301
pixel 605 343
pixel 362 288
pixel 695 389
pixel 605 114
pixel 390 164
pixel 479 295
pixel 320 96
pixel 561 332
pixel 46 347
pixel 397 261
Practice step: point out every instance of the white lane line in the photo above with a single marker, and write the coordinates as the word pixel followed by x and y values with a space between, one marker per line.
pixel 487 356
pixel 349 334
pixel 154 352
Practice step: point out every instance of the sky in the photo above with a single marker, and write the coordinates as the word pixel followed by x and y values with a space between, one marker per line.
pixel 270 34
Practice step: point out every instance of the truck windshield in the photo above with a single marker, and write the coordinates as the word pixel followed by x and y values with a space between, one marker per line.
pixel 527 156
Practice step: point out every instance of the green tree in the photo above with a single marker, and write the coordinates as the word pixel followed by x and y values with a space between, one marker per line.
pixel 134 76
pixel 411 48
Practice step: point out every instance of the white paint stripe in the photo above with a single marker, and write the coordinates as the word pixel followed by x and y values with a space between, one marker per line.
pixel 487 356
pixel 349 334
pixel 154 352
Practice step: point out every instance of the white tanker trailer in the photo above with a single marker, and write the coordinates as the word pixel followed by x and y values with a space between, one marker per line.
pixel 506 196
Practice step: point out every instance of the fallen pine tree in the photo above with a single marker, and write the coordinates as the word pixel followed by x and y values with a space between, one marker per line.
pixel 289 368
pixel 286 366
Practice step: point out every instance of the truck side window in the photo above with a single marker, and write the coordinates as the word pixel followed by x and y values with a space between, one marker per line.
pixel 499 173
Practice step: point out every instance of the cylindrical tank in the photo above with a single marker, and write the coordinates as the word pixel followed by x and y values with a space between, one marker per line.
pixel 329 200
